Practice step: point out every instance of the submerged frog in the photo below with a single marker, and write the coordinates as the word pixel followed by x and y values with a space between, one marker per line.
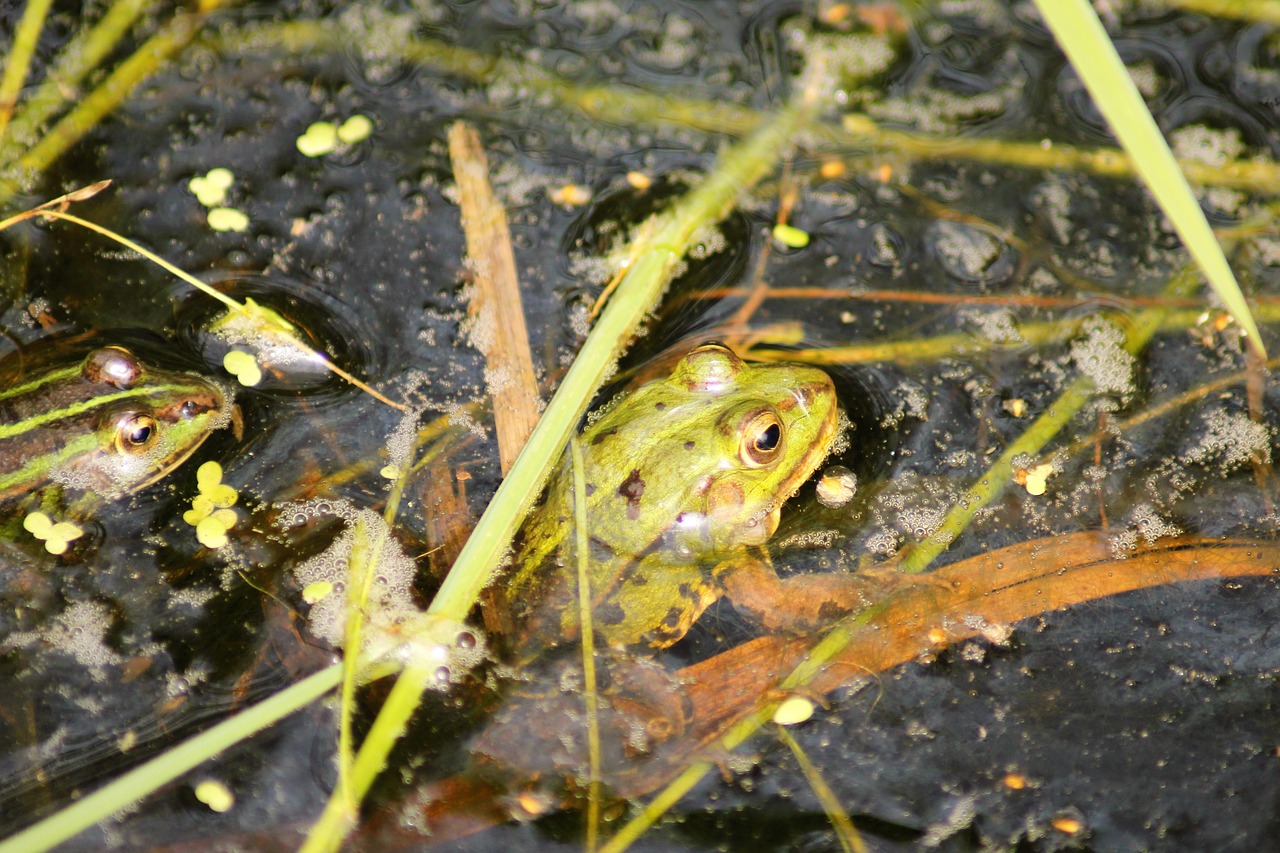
pixel 106 426
pixel 685 480
pixel 685 477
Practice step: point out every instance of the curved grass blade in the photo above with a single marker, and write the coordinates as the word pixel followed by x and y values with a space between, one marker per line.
pixel 263 320
pixel 846 832
pixel 93 107
pixel 86 51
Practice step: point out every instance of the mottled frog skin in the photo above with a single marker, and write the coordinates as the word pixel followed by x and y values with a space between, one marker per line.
pixel 684 477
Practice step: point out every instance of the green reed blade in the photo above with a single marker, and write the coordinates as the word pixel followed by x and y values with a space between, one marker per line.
pixel 674 233
pixel 82 54
pixel 1081 36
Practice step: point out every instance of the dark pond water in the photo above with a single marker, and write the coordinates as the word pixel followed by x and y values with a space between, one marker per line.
pixel 1138 721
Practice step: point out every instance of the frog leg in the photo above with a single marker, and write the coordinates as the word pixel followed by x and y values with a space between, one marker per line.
pixel 801 604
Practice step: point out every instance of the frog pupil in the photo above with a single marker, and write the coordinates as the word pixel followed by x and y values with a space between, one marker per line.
pixel 768 439
pixel 134 432
pixel 140 434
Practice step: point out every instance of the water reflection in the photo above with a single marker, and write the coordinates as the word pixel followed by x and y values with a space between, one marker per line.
pixel 152 636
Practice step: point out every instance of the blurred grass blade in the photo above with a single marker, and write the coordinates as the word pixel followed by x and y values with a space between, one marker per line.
pixel 93 106
pixel 1260 11
pixel 87 49
pixel 19 59
pixel 1085 42
pixel 846 832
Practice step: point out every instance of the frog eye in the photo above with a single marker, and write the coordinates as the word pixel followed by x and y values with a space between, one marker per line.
pixel 709 367
pixel 112 366
pixel 135 433
pixel 762 439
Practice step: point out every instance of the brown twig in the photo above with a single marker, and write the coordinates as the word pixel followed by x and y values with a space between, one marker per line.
pixel 497 316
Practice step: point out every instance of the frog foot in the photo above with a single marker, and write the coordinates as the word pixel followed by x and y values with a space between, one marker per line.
pixel 802 604
pixel 887 579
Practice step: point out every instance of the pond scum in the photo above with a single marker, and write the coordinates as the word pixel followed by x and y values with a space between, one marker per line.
pixel 365 574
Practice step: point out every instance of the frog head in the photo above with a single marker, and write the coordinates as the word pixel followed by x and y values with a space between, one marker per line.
pixel 702 461
pixel 774 424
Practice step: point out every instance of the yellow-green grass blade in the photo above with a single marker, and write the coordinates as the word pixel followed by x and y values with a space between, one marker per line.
pixel 20 53
pixel 95 105
pixel 1094 57
pixel 1263 11
pixel 86 51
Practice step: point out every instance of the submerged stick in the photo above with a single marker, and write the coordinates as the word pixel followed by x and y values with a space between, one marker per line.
pixel 495 310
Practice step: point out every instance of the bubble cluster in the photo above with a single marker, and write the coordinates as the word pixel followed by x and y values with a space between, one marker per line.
pixel 389 596
pixel 921 522
pixel 1149 523
pixel 1100 355
pixel 449 649
pixel 969 254
pixel 1231 440
pixel 401 442
pixel 999 326
pixel 1207 145
pixel 882 542
pixel 79 631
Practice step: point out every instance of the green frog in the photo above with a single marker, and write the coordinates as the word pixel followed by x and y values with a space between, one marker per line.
pixel 685 478
pixel 106 425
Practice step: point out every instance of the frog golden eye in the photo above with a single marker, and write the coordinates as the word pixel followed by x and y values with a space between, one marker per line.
pixel 762 439
pixel 112 366
pixel 135 433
